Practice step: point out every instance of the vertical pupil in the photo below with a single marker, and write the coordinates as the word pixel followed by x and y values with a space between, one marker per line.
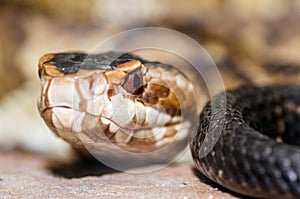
pixel 136 81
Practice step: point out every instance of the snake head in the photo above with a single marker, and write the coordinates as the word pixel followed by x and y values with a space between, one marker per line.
pixel 122 97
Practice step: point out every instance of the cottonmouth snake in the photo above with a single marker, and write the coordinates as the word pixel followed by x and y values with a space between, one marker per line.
pixel 255 155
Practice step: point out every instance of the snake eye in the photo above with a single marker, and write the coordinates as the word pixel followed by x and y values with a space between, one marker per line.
pixel 133 81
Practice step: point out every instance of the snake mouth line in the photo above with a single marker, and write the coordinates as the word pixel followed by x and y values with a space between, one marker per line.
pixel 136 127
pixel 168 131
pixel 50 108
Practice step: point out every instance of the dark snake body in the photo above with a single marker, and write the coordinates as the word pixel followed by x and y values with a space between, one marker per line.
pixel 258 151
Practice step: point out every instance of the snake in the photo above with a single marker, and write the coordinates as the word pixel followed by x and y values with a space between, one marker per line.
pixel 257 153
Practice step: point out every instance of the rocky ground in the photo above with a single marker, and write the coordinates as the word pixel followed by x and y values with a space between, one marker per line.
pixel 29 175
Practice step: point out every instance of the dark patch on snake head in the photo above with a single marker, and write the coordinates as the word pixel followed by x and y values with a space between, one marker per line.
pixel 71 63
pixel 68 63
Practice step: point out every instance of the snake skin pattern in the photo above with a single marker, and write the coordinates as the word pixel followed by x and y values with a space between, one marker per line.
pixel 258 151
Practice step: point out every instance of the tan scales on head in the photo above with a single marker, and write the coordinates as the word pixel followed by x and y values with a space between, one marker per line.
pixel 128 104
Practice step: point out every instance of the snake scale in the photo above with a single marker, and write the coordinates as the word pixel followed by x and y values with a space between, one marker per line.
pixel 257 153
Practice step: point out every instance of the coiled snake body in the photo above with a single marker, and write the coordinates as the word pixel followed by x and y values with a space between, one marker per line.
pixel 77 103
pixel 258 151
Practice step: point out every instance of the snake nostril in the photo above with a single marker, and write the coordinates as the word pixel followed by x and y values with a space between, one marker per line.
pixel 110 93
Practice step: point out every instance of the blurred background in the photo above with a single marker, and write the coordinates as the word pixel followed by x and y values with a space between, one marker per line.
pixel 253 42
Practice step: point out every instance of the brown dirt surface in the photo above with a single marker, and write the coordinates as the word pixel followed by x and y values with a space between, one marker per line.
pixel 27 175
